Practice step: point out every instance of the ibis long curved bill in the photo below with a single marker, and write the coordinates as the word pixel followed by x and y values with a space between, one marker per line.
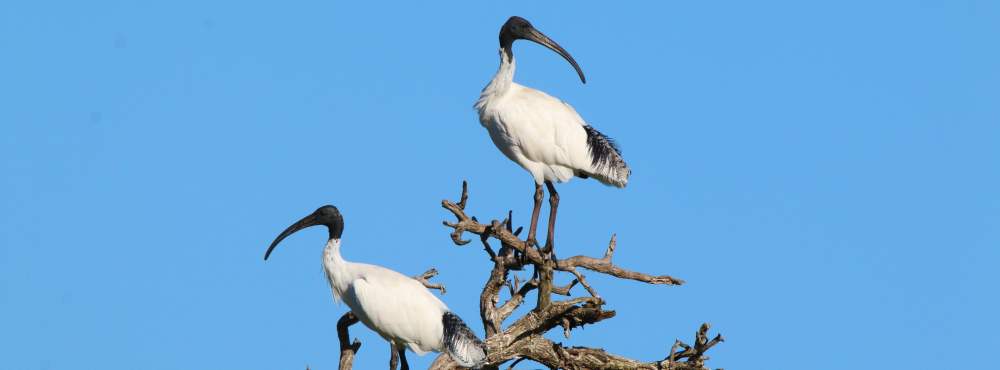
pixel 540 38
pixel 517 28
pixel 542 134
pixel 326 215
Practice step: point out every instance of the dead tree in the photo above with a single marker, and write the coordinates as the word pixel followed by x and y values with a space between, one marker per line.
pixel 524 337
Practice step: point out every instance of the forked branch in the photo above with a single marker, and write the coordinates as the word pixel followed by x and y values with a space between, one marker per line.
pixel 524 337
pixel 425 280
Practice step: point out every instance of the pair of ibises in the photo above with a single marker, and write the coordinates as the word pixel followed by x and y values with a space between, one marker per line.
pixel 540 133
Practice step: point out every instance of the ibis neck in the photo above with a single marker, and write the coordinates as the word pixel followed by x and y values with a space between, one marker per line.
pixel 335 267
pixel 505 74
pixel 331 254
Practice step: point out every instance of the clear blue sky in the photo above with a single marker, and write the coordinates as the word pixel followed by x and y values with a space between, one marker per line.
pixel 824 175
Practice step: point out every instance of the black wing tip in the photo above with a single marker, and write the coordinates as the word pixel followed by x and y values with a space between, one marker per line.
pixel 601 145
pixel 606 159
pixel 461 343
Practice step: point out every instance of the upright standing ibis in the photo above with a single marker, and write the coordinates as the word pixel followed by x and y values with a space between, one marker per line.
pixel 397 307
pixel 542 134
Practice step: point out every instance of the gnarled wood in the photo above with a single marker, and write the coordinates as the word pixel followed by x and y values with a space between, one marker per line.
pixel 523 338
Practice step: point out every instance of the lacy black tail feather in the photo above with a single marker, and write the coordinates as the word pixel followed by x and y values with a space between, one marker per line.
pixel 606 160
pixel 461 343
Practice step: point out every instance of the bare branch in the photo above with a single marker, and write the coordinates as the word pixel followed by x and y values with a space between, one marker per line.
pixel 583 281
pixel 605 266
pixel 347 348
pixel 425 280
pixel 611 248
pixel 465 194
pixel 491 291
pixel 545 276
pixel 695 355
pixel 524 337
pixel 601 265
pixel 565 290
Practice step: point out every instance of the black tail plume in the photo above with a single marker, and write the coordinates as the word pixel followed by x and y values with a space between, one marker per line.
pixel 461 343
pixel 607 165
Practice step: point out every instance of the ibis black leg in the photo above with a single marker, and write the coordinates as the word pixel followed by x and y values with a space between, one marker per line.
pixel 534 215
pixel 553 207
pixel 402 359
pixel 393 357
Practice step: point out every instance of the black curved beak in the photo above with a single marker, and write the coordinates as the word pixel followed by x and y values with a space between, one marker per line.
pixel 308 221
pixel 540 38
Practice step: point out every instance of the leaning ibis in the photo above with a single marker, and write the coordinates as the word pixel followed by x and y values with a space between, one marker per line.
pixel 397 307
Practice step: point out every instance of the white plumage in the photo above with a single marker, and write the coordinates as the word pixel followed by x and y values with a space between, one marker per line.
pixel 540 133
pixel 397 307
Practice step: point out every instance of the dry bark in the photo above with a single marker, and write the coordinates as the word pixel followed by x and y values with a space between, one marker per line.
pixel 524 337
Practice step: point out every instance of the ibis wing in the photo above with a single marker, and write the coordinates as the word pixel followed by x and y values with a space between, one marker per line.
pixel 400 309
pixel 556 135
pixel 546 129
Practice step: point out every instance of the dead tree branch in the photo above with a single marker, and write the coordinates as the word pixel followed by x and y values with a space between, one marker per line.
pixel 524 337
pixel 695 355
pixel 425 279
pixel 347 348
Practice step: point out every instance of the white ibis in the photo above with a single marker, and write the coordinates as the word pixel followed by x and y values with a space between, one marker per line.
pixel 542 134
pixel 397 307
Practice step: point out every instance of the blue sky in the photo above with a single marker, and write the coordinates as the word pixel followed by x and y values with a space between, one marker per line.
pixel 823 174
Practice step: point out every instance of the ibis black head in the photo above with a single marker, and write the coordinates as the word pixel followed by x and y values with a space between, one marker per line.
pixel 326 215
pixel 518 28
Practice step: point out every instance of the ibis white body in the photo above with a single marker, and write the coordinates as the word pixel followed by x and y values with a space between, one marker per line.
pixel 397 307
pixel 543 134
